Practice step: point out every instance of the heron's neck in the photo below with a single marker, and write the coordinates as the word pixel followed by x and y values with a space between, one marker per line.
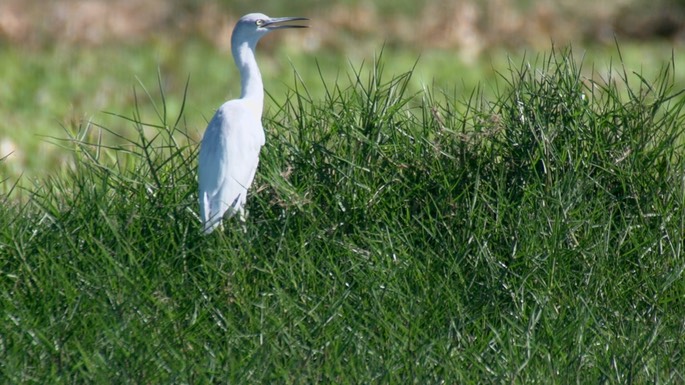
pixel 250 78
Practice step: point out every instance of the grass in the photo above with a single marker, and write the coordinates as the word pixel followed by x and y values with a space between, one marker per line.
pixel 46 91
pixel 394 236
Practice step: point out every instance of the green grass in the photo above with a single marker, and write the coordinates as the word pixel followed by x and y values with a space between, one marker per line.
pixel 47 91
pixel 394 236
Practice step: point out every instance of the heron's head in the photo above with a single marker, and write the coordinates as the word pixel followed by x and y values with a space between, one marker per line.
pixel 251 27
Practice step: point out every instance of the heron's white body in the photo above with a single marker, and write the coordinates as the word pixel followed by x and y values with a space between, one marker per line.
pixel 229 152
pixel 231 155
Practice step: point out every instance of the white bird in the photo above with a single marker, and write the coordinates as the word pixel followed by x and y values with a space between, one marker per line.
pixel 229 151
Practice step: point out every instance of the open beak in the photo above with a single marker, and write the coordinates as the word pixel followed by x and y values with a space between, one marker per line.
pixel 272 23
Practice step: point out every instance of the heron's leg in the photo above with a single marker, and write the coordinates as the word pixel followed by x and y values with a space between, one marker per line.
pixel 242 216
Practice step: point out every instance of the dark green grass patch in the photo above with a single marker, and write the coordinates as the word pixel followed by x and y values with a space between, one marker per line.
pixel 392 237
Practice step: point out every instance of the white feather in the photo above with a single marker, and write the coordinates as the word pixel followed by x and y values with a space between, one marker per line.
pixel 229 152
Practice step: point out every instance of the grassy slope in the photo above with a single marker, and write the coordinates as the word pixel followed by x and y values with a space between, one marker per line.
pixel 393 237
pixel 44 91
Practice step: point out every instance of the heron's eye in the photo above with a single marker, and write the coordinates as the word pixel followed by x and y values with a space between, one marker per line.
pixel 259 22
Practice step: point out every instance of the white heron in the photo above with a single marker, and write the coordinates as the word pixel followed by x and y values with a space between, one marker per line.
pixel 229 151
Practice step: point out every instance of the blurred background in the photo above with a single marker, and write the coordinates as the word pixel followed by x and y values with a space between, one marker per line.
pixel 64 63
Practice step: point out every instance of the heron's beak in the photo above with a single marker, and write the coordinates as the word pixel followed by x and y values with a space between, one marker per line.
pixel 272 23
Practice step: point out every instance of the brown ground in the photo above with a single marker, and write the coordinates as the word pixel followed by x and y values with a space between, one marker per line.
pixel 469 25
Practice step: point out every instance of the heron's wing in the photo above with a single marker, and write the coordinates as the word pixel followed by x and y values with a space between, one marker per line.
pixel 210 173
pixel 228 160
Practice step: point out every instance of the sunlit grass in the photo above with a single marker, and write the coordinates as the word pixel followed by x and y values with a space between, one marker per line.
pixel 532 234
pixel 45 92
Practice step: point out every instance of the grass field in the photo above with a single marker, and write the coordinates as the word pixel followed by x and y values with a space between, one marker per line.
pixel 48 93
pixel 69 63
pixel 530 232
